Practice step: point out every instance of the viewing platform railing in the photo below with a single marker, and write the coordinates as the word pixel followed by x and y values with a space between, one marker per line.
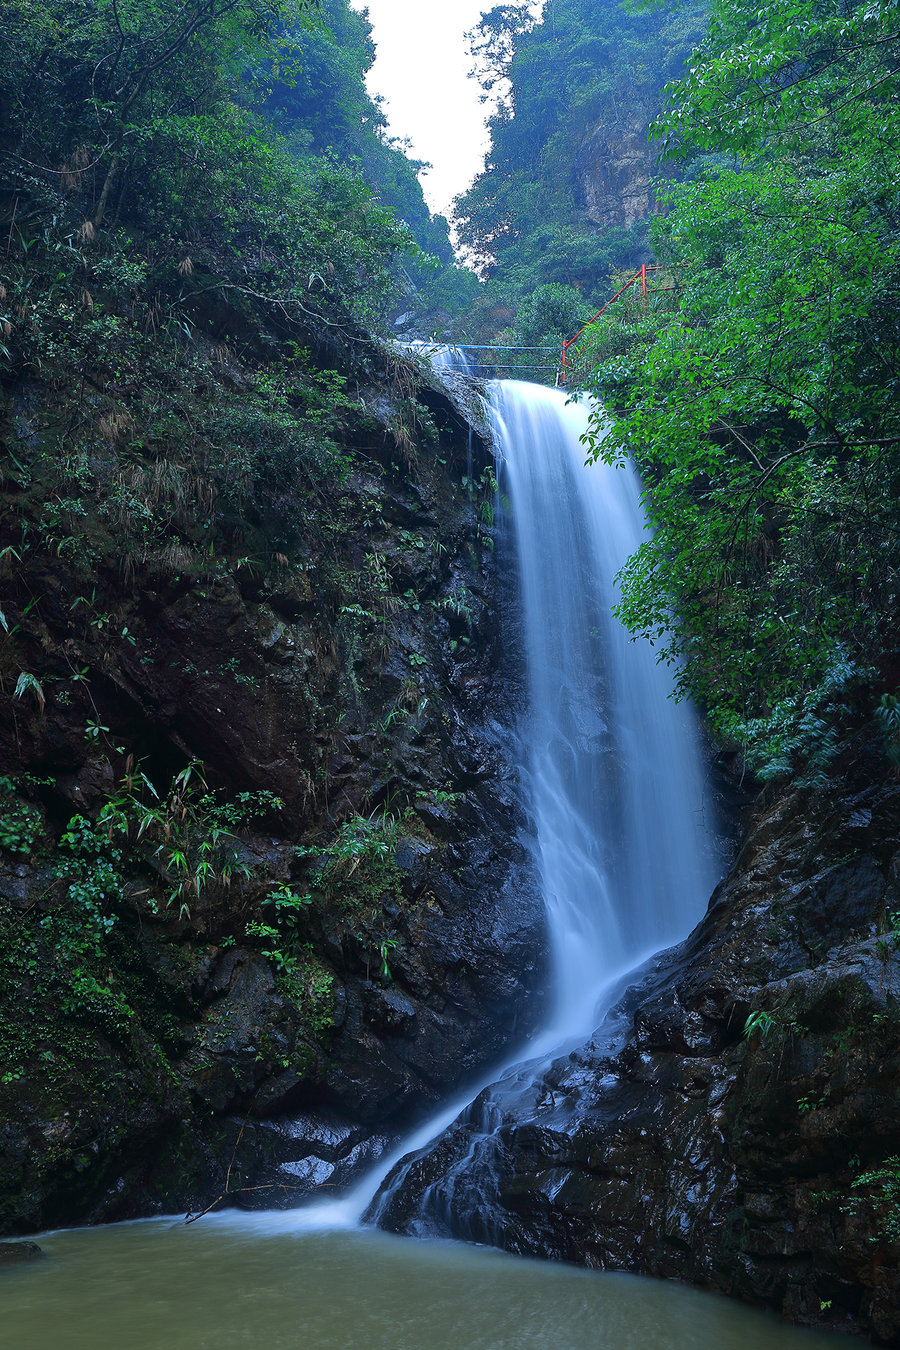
pixel 505 361
pixel 577 353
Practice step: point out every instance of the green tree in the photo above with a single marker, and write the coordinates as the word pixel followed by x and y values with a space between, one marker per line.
pixel 765 412
pixel 589 74
pixel 550 314
pixel 89 81
pixel 147 114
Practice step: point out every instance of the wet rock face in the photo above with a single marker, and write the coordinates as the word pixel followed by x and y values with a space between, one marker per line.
pixel 614 170
pixel 231 1076
pixel 759 1162
pixel 457 994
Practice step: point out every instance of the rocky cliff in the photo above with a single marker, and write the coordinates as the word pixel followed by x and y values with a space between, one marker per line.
pixel 734 1121
pixel 615 168
pixel 261 894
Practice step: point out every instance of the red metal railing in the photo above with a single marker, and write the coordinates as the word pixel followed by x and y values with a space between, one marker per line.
pixel 646 290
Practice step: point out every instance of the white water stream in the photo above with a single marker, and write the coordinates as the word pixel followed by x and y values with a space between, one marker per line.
pixel 623 830
pixel 616 781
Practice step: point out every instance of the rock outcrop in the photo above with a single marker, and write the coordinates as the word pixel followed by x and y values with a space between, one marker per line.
pixel 734 1122
pixel 614 170
pixel 161 1052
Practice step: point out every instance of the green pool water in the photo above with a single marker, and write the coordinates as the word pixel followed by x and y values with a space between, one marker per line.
pixel 228 1282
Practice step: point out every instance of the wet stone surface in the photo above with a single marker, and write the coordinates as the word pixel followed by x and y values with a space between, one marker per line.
pixel 687 1142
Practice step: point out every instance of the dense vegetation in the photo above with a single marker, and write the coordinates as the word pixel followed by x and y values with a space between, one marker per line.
pixel 245 125
pixel 565 192
pixel 161 242
pixel 763 405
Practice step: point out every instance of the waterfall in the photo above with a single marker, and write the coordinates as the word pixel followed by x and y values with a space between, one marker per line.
pixel 623 829
pixel 613 768
pixel 623 832
pixel 454 360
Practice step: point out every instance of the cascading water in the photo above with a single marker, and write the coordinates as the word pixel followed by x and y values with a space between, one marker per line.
pixel 613 765
pixel 455 360
pixel 623 830
pixel 622 822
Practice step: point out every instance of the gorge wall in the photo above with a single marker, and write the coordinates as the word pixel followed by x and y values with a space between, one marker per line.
pixel 261 895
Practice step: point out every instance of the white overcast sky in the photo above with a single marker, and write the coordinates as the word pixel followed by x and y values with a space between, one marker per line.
pixel 421 69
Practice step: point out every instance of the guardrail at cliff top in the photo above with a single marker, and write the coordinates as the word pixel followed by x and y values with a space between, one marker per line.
pixel 640 277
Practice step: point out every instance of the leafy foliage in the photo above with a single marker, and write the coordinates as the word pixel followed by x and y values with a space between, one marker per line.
pixel 764 412
pixel 143 114
pixel 883 1185
pixel 358 867
pixel 89 84
pixel 326 111
pixel 21 824
pixel 887 717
